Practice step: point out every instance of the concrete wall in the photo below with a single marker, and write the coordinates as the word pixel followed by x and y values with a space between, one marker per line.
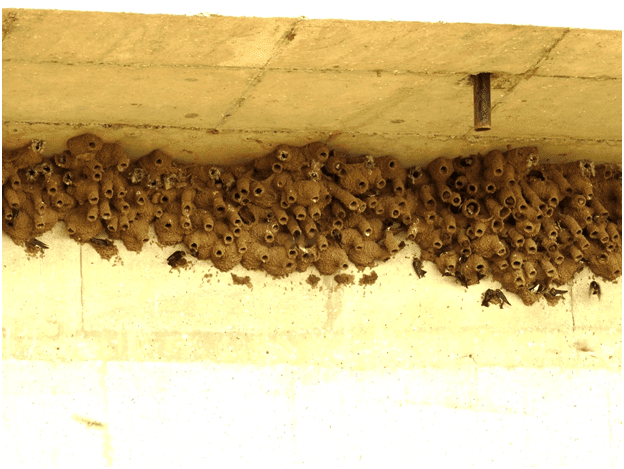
pixel 128 361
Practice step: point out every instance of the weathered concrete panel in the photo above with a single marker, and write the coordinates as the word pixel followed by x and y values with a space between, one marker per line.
pixel 418 149
pixel 417 47
pixel 422 105
pixel 142 292
pixel 414 304
pixel 41 293
pixel 176 83
pixel 595 312
pixel 237 146
pixel 58 93
pixel 356 101
pixel 133 39
pixel 586 53
pixel 561 107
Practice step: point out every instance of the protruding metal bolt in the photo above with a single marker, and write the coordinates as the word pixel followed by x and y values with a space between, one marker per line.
pixel 482 104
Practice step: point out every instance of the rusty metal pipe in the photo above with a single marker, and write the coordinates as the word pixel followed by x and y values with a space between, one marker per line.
pixel 482 102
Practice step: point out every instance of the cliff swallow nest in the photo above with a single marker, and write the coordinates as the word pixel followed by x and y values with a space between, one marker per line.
pixel 504 214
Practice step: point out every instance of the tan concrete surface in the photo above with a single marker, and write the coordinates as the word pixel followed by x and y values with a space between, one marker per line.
pixel 364 102
pixel 536 108
pixel 237 146
pixel 456 48
pixel 159 79
pixel 130 39
pixel 586 53
pixel 196 97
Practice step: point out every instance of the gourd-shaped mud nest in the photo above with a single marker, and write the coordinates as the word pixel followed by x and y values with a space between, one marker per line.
pixel 529 225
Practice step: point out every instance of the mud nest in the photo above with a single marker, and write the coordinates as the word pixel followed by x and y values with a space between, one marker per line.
pixel 528 225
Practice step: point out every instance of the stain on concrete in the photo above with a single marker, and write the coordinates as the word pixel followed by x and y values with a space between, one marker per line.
pixel 9 18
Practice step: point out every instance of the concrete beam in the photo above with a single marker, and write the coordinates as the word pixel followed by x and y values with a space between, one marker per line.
pixel 210 89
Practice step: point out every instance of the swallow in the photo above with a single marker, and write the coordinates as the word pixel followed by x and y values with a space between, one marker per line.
pixel 36 242
pixel 488 296
pixel 495 296
pixel 502 298
pixel 462 279
pixel 417 264
pixel 555 292
pixel 137 175
pixel 101 242
pixel 176 259
pixel 594 289
pixel 246 215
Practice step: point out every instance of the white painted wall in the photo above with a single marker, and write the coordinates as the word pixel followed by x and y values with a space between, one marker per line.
pixel 184 415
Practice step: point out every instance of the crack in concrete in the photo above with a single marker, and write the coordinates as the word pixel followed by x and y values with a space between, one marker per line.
pixel 532 71
pixel 287 36
pixel 8 23
pixel 527 74
pixel 81 294
pixel 572 302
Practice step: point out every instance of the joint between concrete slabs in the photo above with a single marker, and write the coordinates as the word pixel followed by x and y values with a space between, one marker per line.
pixel 257 78
pixel 332 134
pixel 266 68
pixel 531 71
pixel 547 53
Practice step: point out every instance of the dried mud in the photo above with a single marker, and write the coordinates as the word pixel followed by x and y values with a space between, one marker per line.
pixel 344 279
pixel 369 279
pixel 239 280
pixel 313 280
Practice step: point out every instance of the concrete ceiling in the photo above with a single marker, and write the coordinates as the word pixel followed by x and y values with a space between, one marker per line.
pixel 226 89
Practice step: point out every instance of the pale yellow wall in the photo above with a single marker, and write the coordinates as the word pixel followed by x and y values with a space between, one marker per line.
pixel 184 366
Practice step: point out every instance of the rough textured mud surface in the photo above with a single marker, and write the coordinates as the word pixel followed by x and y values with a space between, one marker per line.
pixel 239 280
pixel 313 280
pixel 369 279
pixel 531 226
pixel 106 251
pixel 344 279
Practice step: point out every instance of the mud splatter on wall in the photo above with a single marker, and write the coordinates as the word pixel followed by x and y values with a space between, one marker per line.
pixel 504 214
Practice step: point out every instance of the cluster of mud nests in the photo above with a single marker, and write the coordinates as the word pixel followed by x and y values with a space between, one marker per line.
pixel 529 225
